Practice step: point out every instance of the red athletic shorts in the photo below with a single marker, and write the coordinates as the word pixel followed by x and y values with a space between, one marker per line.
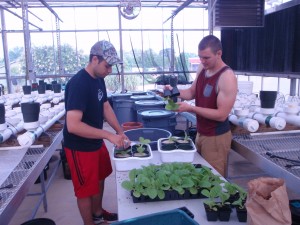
pixel 87 168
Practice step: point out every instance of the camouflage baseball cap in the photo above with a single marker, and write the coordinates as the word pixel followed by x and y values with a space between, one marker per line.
pixel 107 51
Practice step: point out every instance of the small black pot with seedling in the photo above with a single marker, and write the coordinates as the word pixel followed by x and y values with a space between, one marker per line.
pixel 141 149
pixel 123 153
pixel 184 143
pixel 168 144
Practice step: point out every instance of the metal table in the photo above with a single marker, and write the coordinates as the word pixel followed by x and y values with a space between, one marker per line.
pixel 284 144
pixel 24 176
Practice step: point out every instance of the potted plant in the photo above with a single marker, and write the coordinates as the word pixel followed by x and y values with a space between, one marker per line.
pixel 210 205
pixel 141 149
pixel 184 143
pixel 239 204
pixel 168 143
pixel 224 206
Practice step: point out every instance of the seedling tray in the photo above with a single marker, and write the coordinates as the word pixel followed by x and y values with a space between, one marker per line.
pixel 170 195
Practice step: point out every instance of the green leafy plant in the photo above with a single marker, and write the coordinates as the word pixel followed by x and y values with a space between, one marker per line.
pixel 242 193
pixel 142 142
pixel 186 136
pixel 171 105
pixel 154 180
pixel 212 194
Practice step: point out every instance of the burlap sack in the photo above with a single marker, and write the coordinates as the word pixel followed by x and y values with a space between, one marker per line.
pixel 267 202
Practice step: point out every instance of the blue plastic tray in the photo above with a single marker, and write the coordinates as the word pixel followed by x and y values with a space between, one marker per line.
pixel 172 217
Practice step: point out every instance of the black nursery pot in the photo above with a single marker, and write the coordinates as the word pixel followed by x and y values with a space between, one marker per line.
pixel 211 215
pixel 134 151
pixel 2 113
pixel 41 88
pixel 267 99
pixel 26 89
pixel 117 153
pixel 49 87
pixel 168 146
pixel 241 214
pixel 224 213
pixel 56 88
pixel 41 82
pixel 30 111
pixel 184 145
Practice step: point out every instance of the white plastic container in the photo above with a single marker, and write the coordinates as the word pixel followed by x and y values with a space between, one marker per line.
pixel 126 164
pixel 176 155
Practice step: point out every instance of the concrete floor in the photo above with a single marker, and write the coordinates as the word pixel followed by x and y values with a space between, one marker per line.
pixel 62 206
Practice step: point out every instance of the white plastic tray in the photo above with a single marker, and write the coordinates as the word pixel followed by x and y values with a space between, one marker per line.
pixel 126 164
pixel 176 155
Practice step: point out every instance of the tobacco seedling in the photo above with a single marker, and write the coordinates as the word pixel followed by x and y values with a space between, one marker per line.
pixel 171 105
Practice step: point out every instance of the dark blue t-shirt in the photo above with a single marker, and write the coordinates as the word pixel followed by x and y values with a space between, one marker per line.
pixel 88 95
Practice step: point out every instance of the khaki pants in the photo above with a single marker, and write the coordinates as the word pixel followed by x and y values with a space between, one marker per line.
pixel 215 150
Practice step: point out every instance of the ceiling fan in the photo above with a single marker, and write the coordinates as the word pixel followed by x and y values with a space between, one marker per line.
pixel 130 9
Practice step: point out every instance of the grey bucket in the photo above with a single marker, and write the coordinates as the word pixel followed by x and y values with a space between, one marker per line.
pixel 144 105
pixel 159 118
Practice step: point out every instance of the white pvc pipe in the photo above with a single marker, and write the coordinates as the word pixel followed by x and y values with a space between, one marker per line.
pixel 29 137
pixel 290 118
pixel 272 121
pixel 247 123
pixel 4 135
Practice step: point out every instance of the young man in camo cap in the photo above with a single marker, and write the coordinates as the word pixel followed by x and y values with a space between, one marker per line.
pixel 86 107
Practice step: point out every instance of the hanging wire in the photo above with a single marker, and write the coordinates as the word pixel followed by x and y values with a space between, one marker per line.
pixel 181 60
pixel 134 56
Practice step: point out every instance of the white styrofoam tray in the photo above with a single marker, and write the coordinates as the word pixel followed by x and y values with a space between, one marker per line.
pixel 176 155
pixel 126 164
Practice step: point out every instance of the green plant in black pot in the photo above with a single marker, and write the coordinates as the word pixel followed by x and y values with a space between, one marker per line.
pixel 184 143
pixel 239 204
pixel 123 153
pixel 140 149
pixel 168 143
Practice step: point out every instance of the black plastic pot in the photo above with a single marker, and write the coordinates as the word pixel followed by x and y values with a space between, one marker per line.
pixel 41 82
pixel 241 214
pixel 211 215
pixel 26 89
pixel 41 88
pixel 181 144
pixel 224 212
pixel 267 99
pixel 49 87
pixel 169 146
pixel 56 88
pixel 118 153
pixel 134 150
pixel 30 111
pixel 2 113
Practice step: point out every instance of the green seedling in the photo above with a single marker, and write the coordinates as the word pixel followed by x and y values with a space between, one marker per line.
pixel 142 143
pixel 171 105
